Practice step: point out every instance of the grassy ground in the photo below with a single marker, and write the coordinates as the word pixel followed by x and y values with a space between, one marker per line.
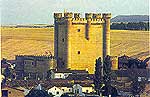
pixel 36 41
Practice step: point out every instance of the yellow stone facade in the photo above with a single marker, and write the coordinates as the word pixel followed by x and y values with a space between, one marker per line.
pixel 78 41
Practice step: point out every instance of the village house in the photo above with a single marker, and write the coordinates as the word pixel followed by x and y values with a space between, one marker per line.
pixel 60 74
pixel 33 67
pixel 8 91
pixel 82 88
pixel 63 74
pixel 58 90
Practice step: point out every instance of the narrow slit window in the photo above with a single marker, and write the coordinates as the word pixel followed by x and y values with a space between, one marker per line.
pixel 78 30
pixel 63 40
pixel 78 52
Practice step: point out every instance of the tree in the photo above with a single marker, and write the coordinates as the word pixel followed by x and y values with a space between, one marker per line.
pixel 147 27
pixel 109 90
pixel 4 61
pixel 98 75
pixel 107 65
pixel 7 72
pixel 137 87
pixel 131 26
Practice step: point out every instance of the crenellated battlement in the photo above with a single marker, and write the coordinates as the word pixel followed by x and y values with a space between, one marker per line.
pixel 68 15
pixel 106 15
pixel 35 56
pixel 75 17
pixel 88 15
pixel 57 15
pixel 97 16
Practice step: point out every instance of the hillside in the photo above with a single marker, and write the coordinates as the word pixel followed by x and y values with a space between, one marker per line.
pixel 130 18
pixel 36 41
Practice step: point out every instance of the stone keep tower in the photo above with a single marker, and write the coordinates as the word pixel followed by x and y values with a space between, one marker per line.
pixel 80 41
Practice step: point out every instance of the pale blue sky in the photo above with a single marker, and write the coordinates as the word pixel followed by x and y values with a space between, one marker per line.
pixel 41 11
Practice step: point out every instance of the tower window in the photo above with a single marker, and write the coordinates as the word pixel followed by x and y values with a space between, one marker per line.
pixel 78 30
pixel 63 40
pixel 78 52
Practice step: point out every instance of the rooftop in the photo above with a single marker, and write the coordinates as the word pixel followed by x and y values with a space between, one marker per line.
pixel 70 71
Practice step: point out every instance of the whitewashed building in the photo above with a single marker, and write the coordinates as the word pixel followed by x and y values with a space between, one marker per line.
pixel 63 74
pixel 66 89
pixel 82 88
pixel 59 74
pixel 77 89
pixel 57 92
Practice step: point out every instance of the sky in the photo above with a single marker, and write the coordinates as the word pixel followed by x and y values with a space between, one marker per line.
pixel 41 11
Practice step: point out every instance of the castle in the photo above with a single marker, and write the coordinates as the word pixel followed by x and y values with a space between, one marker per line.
pixel 80 41
pixel 33 66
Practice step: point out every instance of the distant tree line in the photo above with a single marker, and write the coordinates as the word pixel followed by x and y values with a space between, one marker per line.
pixel 131 26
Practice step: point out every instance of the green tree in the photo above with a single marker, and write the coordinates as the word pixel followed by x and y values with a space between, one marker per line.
pixel 147 27
pixel 98 75
pixel 137 87
pixel 107 65
pixel 7 72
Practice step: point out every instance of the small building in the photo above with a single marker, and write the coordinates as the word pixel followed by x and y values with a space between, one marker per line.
pixel 33 67
pixel 80 95
pixel 8 91
pixel 64 74
pixel 77 89
pixel 141 74
pixel 60 89
pixel 57 92
pixel 66 88
pixel 82 88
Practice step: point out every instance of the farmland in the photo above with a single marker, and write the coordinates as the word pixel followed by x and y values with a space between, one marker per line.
pixel 36 41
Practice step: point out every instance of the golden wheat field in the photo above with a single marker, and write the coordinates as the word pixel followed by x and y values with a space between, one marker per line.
pixel 36 41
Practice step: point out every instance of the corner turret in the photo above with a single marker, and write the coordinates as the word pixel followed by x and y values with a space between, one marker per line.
pixel 57 15
pixel 88 15
pixel 68 15
pixel 106 15
pixel 97 16
pixel 106 34
pixel 76 15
